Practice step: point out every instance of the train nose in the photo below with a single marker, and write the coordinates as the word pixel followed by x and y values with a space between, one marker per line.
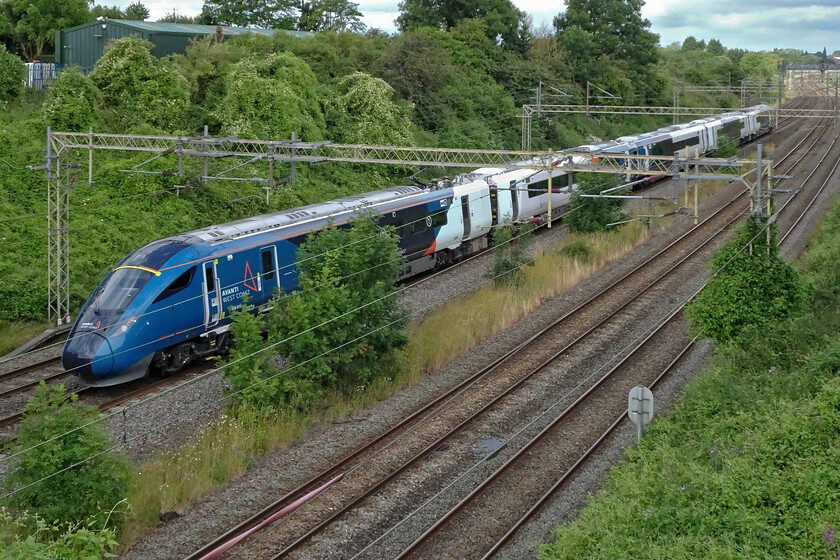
pixel 89 356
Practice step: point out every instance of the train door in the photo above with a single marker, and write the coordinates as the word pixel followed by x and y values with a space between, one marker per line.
pixel 465 213
pixel 269 278
pixel 210 290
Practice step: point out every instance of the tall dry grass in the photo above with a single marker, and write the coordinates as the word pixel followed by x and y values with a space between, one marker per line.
pixel 460 325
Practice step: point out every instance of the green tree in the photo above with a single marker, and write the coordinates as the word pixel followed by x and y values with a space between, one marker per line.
pixel 12 75
pixel 137 11
pixel 36 21
pixel 93 483
pixel 750 286
pixel 608 42
pixel 716 48
pixel 110 12
pixel 140 87
pixel 365 113
pixel 589 215
pixel 338 15
pixel 346 277
pixel 691 44
pixel 267 14
pixel 759 64
pixel 501 17
pixel 269 96
pixel 71 101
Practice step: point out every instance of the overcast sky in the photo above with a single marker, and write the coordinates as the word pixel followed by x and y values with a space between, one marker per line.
pixel 749 24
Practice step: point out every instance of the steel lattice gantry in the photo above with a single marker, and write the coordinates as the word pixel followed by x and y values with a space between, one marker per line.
pixel 210 149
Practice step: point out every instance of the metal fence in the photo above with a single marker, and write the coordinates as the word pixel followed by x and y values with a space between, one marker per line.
pixel 41 74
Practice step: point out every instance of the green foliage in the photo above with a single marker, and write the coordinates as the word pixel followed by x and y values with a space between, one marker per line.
pixel 110 12
pixel 608 42
pixel 716 48
pixel 500 17
pixel 70 105
pixel 750 286
pixel 365 113
pixel 760 64
pixel 750 452
pixel 137 11
pixel 270 96
pixel 346 281
pixel 691 44
pixel 510 253
pixel 39 474
pixel 255 380
pixel 266 14
pixel 588 215
pixel 320 15
pixel 175 17
pixel 460 102
pixel 30 537
pixel 12 75
pixel 727 147
pixel 34 22
pixel 139 87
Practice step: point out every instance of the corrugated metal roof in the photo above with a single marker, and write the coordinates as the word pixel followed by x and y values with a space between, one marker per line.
pixel 195 29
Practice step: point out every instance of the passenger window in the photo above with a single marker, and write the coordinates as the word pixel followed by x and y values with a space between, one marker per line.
pixel 177 285
pixel 537 189
pixel 208 275
pixel 267 265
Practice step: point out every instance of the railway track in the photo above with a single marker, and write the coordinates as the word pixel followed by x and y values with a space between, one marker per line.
pixel 439 539
pixel 367 453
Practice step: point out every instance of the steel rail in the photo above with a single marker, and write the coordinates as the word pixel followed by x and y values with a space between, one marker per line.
pixel 344 463
pixel 454 431
pixel 420 541
pixel 562 480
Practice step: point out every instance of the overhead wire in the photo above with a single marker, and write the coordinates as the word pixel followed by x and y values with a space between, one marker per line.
pixel 226 397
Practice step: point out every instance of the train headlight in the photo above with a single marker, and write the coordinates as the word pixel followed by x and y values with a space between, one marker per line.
pixel 123 326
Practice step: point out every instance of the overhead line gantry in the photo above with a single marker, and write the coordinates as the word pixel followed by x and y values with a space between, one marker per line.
pixel 213 151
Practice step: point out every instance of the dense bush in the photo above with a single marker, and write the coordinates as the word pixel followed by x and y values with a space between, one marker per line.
pixel 339 329
pixel 750 286
pixel 365 113
pixel 65 479
pixel 269 97
pixel 141 89
pixel 30 537
pixel 70 105
pixel 347 281
pixel 12 75
pixel 510 252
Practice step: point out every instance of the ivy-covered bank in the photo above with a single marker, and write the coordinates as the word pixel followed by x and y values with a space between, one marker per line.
pixel 745 465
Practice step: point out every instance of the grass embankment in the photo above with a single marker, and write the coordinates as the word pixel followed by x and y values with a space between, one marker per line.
pixel 745 465
pixel 173 481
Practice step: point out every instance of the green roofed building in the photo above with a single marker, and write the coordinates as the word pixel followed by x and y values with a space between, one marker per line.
pixel 83 45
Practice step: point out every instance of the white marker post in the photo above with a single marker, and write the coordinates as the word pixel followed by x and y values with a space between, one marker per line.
pixel 640 407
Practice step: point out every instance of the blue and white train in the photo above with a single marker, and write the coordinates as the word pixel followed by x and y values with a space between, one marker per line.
pixel 169 303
